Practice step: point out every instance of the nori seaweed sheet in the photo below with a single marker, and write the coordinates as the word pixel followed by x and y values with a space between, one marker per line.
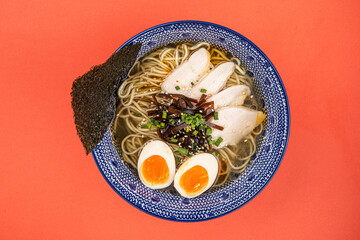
pixel 94 95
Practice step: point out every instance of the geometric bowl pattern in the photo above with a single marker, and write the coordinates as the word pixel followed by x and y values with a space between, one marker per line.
pixel 271 145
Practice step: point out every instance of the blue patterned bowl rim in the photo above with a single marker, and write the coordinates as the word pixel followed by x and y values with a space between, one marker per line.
pixel 128 42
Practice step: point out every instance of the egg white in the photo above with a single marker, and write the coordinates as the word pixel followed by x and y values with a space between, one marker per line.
pixel 205 160
pixel 157 147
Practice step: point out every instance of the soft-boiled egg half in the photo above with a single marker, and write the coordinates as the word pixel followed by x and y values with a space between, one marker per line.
pixel 156 165
pixel 196 175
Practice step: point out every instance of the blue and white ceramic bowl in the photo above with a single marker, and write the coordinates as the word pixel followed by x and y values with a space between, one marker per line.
pixel 271 144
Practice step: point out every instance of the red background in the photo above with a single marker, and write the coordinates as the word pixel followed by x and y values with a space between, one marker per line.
pixel 49 188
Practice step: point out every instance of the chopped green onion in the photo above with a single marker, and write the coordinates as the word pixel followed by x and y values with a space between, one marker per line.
pixel 218 141
pixel 201 127
pixel 144 126
pixel 162 125
pixel 211 142
pixel 203 90
pixel 155 122
pixel 208 131
pixel 216 116
pixel 177 88
pixel 209 138
pixel 172 121
pixel 201 121
pixel 148 125
pixel 178 160
pixel 164 115
pixel 174 140
pixel 193 126
pixel 195 132
pixel 192 83
pixel 217 154
pixel 183 151
pixel 138 115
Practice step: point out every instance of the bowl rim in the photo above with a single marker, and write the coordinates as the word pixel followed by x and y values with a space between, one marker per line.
pixel 287 108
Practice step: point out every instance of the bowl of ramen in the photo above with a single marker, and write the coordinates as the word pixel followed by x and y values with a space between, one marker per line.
pixel 201 126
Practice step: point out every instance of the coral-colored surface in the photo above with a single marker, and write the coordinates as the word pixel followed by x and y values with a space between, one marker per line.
pixel 49 188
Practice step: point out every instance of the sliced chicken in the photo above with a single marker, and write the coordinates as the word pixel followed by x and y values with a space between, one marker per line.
pixel 232 96
pixel 213 82
pixel 238 122
pixel 185 75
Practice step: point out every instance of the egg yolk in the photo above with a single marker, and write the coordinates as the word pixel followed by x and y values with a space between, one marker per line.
pixel 194 180
pixel 154 170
